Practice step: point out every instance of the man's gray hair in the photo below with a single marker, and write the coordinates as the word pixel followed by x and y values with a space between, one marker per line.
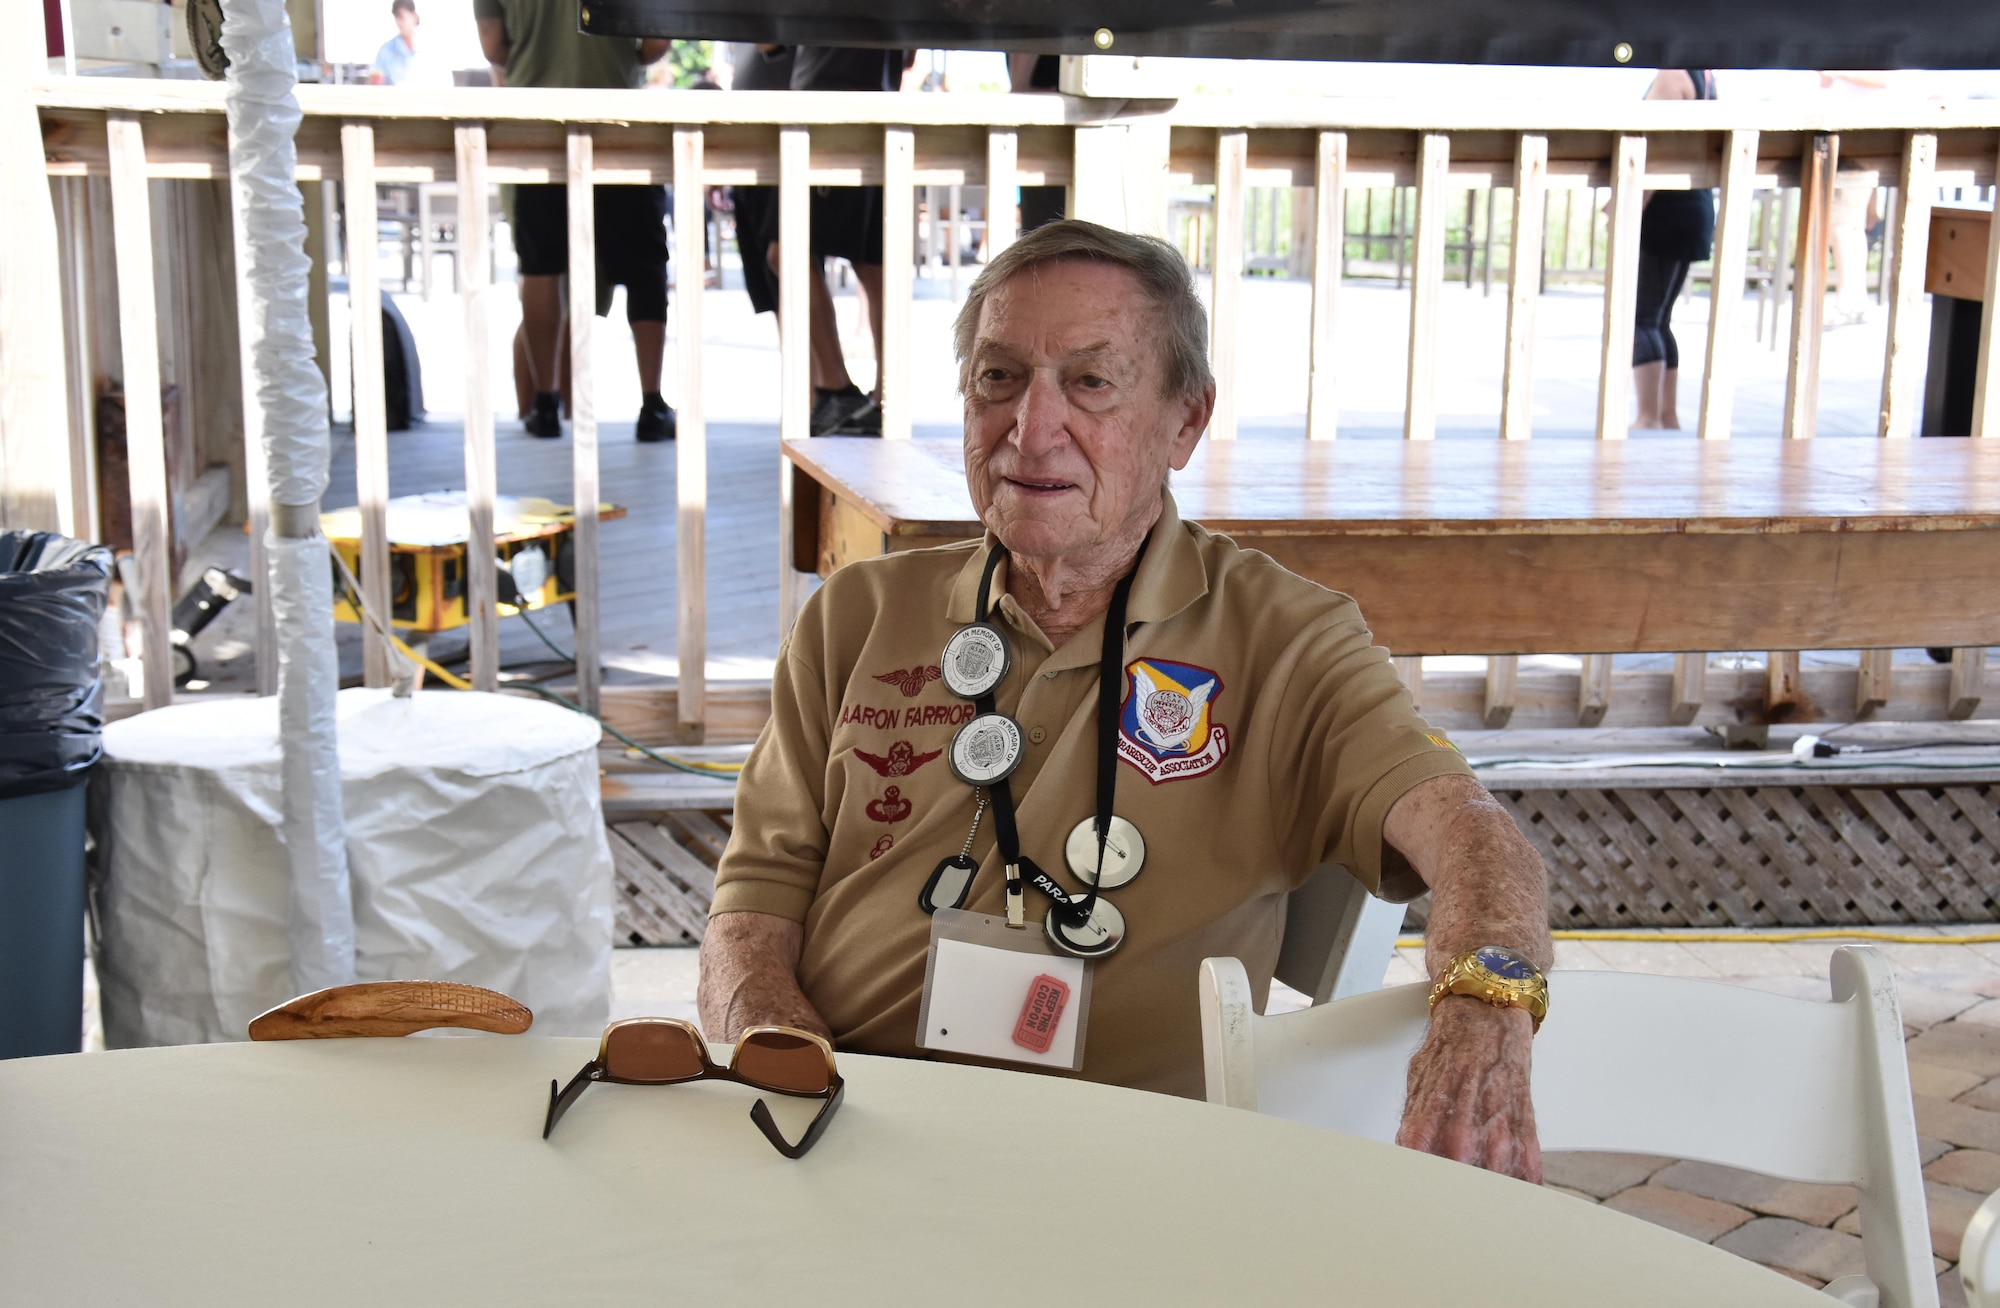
pixel 1159 267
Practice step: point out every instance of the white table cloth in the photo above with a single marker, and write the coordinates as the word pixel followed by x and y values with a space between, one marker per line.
pixel 413 1171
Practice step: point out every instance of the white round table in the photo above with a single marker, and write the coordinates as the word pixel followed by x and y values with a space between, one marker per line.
pixel 413 1171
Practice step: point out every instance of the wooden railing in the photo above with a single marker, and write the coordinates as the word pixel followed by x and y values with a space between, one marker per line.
pixel 1119 160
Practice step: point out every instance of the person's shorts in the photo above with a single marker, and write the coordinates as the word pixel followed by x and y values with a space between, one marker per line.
pixel 847 224
pixel 631 243
pixel 756 228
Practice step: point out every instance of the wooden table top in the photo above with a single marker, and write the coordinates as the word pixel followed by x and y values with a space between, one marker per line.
pixel 1555 486
pixel 413 1171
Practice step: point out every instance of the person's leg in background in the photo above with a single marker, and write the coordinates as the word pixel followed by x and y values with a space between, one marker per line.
pixel 632 251
pixel 1670 360
pixel 1649 350
pixel 1848 228
pixel 844 219
pixel 541 245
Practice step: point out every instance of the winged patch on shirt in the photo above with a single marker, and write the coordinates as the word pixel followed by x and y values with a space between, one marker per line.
pixel 901 760
pixel 1167 730
pixel 892 807
pixel 911 681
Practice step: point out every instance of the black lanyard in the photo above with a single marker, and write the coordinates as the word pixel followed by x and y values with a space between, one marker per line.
pixel 1110 687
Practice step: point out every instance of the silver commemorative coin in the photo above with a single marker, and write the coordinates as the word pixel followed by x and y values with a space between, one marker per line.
pixel 1124 852
pixel 986 750
pixel 1102 934
pixel 975 660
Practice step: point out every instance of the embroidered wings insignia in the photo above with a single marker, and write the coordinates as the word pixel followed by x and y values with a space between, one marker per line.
pixel 911 681
pixel 901 760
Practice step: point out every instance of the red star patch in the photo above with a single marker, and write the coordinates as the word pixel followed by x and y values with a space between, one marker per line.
pixel 901 761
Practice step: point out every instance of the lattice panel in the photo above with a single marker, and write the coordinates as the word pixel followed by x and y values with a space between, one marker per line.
pixel 1766 855
pixel 664 873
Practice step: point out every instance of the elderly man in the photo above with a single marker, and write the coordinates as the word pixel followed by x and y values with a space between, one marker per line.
pixel 1258 733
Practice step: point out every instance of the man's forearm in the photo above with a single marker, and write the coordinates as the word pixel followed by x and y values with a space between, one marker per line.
pixel 1488 885
pixel 750 976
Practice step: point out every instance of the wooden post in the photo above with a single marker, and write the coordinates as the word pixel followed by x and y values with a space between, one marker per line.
pixel 1426 287
pixel 1524 293
pixel 1502 677
pixel 1690 684
pixel 1986 384
pixel 794 353
pixel 899 162
pixel 584 485
pixel 371 414
pixel 1232 157
pixel 1328 243
pixel 1002 151
pixel 145 435
pixel 691 443
pixel 482 589
pixel 34 485
pixel 1816 174
pixel 1593 692
pixel 1968 678
pixel 1784 681
pixel 1872 687
pixel 1725 283
pixel 1906 361
pixel 1621 295
pixel 82 519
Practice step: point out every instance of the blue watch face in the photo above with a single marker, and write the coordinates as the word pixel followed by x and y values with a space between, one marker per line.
pixel 1504 962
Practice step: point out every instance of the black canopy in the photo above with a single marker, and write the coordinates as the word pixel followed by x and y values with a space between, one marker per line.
pixel 1659 33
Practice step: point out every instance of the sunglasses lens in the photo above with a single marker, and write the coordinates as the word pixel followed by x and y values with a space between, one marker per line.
pixel 652 1051
pixel 778 1061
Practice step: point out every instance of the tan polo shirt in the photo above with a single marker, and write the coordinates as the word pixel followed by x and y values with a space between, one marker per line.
pixel 1261 735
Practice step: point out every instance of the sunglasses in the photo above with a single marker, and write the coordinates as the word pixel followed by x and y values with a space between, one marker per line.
pixel 668 1051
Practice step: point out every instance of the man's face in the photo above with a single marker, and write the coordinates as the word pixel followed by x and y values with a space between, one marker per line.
pixel 406 23
pixel 1068 436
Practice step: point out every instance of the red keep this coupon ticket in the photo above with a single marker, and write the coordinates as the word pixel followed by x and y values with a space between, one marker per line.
pixel 1037 1028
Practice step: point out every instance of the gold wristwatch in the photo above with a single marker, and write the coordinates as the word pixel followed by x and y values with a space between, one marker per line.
pixel 1498 975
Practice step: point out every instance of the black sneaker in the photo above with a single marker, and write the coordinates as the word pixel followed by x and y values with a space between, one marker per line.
pixel 865 420
pixel 656 421
pixel 833 408
pixel 544 416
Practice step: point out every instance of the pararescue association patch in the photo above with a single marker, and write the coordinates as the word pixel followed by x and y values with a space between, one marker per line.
pixel 1168 731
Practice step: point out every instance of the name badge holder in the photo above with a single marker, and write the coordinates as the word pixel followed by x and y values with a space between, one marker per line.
pixel 991 992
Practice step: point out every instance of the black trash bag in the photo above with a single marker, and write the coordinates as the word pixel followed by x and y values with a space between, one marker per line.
pixel 52 596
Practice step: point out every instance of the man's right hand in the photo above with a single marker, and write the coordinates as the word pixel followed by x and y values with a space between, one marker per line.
pixel 750 977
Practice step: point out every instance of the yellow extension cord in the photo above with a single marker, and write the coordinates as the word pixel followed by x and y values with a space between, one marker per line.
pixel 457 682
pixel 1758 937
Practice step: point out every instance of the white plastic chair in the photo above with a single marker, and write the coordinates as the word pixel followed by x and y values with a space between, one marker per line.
pixel 1638 1064
pixel 1338 937
pixel 1979 1256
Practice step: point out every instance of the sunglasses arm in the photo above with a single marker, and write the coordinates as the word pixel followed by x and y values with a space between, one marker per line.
pixel 761 1115
pixel 559 1101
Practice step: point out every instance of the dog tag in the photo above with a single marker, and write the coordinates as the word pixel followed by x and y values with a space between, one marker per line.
pixel 986 750
pixel 950 882
pixel 1124 852
pixel 975 660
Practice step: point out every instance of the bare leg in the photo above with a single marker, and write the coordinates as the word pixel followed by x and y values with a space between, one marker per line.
pixel 1646 385
pixel 869 276
pixel 649 339
pixel 1670 418
pixel 829 365
pixel 541 323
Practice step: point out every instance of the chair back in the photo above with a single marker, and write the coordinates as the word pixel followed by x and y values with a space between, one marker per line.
pixel 391 1008
pixel 1628 1063
pixel 1338 937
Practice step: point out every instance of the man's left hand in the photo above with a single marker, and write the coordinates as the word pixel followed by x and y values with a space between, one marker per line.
pixel 1469 1094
